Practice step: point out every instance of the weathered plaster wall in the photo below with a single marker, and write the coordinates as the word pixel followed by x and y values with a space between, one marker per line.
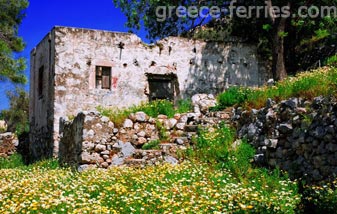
pixel 41 106
pixel 200 67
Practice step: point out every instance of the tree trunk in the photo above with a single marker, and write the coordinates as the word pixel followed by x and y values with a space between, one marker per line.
pixel 278 68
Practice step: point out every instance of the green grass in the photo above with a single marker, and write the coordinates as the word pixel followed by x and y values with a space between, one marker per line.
pixel 13 161
pixel 308 85
pixel 186 188
pixel 152 109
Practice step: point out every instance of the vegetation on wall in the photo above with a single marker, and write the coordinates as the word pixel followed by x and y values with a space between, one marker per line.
pixel 152 109
pixel 318 82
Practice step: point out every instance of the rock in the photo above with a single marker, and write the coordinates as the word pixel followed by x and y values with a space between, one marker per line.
pixel 111 125
pixel 300 110
pixel 90 158
pixel 259 158
pixel 83 167
pixel 271 82
pixel 170 123
pixel 115 130
pixel 88 134
pixel 183 119
pixel 291 103
pixel 141 134
pixel 104 165
pixel 141 117
pixel 285 128
pixel 162 117
pixel 127 149
pixel 106 152
pixel 180 126
pixel 177 116
pixel 117 161
pixel 128 123
pixel 269 103
pixel 105 119
pixel 88 145
pixel 252 129
pixel 100 148
pixel 141 141
pixel 171 160
pixel 180 141
pixel 319 132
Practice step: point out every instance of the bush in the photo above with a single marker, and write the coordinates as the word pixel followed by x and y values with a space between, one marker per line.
pixel 213 145
pixel 13 161
pixel 307 85
pixel 152 109
pixel 332 61
pixel 16 116
pixel 154 144
pixel 232 96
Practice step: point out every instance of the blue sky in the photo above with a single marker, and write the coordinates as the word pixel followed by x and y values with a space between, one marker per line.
pixel 42 15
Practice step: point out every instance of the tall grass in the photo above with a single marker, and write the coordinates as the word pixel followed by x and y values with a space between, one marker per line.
pixel 152 109
pixel 307 85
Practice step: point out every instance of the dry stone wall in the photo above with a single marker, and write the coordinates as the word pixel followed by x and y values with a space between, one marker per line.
pixel 297 135
pixel 8 144
pixel 92 140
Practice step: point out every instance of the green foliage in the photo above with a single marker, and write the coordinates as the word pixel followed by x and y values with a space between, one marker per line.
pixel 11 14
pixel 154 144
pixel 307 85
pixel 163 136
pixel 16 116
pixel 13 161
pixel 239 159
pixel 234 95
pixel 184 106
pixel 213 145
pixel 332 61
pixel 320 198
pixel 16 161
pixel 152 109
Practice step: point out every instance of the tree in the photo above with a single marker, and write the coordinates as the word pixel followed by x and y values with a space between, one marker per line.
pixel 16 116
pixel 272 29
pixel 11 14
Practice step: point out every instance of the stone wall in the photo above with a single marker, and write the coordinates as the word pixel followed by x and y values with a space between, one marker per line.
pixel 8 144
pixel 297 135
pixel 92 140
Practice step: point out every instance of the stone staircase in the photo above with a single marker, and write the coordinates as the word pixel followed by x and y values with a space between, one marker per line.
pixel 167 151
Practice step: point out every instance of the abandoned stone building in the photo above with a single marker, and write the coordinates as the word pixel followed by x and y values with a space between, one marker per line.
pixel 74 70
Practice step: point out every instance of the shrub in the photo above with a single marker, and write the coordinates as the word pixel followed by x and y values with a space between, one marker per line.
pixel 332 61
pixel 234 95
pixel 213 145
pixel 13 161
pixel 184 106
pixel 320 198
pixel 154 144
pixel 307 85
pixel 152 109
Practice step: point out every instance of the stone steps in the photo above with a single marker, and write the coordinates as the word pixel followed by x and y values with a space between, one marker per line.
pixel 147 154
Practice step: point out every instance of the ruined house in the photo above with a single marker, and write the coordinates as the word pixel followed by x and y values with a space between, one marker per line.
pixel 74 70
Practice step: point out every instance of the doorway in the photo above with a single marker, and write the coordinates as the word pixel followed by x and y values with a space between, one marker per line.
pixel 163 86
